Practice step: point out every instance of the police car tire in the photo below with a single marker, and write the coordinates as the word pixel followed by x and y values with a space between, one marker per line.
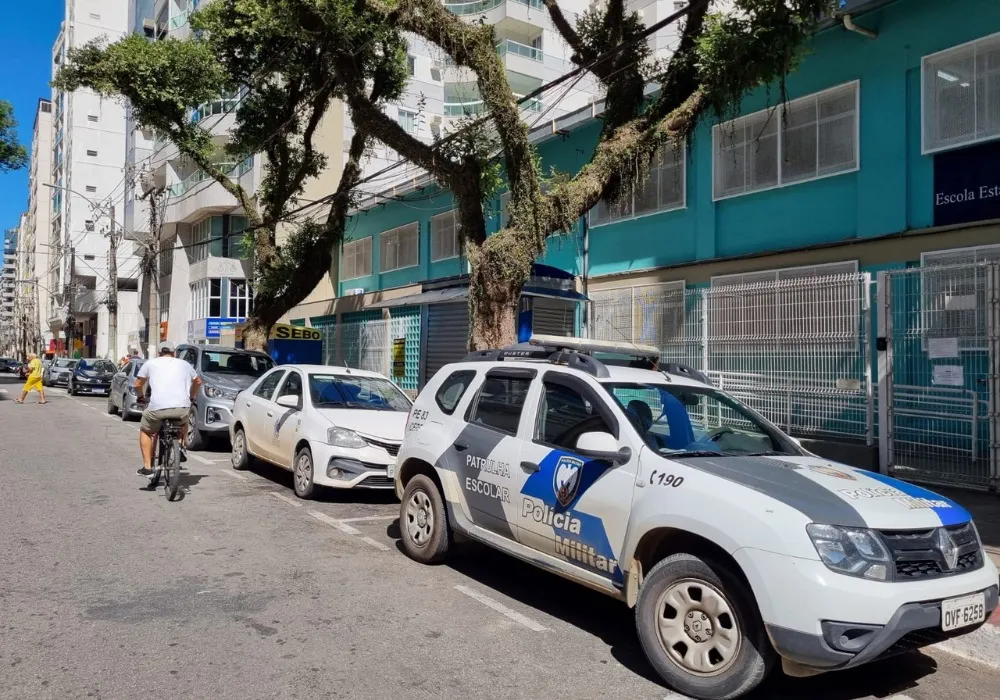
pixel 755 657
pixel 436 549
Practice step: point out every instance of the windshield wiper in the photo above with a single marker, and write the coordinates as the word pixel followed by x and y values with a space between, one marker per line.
pixel 772 453
pixel 690 453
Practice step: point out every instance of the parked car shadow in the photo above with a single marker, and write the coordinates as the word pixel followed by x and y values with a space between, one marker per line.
pixel 613 622
pixel 283 477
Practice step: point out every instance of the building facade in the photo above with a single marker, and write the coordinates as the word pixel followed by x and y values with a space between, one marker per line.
pixel 87 177
pixel 8 293
pixel 785 223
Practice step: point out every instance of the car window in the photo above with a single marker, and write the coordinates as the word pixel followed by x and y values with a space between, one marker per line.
pixel 269 384
pixel 136 366
pixel 678 419
pixel 500 402
pixel 453 389
pixel 346 391
pixel 565 414
pixel 65 363
pixel 234 362
pixel 292 386
pixel 190 356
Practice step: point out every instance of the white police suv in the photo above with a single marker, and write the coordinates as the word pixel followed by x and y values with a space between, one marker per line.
pixel 735 546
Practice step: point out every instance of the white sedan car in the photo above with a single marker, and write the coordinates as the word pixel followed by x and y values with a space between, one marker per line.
pixel 331 426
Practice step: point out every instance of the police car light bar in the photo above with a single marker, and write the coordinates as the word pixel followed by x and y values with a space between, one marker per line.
pixel 587 345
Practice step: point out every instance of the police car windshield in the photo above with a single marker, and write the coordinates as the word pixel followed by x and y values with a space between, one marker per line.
pixel 342 391
pixel 679 421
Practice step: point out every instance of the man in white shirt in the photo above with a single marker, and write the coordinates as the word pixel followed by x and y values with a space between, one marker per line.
pixel 173 386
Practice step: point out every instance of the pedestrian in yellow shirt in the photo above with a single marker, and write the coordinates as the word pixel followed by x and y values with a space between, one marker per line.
pixel 34 379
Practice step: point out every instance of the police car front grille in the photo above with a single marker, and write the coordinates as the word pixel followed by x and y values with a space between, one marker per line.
pixel 917 556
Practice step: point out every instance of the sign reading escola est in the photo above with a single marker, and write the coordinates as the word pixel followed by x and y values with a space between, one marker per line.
pixel 283 331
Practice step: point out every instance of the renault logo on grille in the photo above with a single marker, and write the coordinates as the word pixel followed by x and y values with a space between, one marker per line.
pixel 948 549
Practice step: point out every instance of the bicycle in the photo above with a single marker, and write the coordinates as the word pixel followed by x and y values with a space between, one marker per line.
pixel 168 459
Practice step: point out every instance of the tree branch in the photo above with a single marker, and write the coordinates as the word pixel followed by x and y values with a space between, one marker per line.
pixel 582 52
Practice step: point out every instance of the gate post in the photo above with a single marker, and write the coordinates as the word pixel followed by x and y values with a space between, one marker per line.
pixel 993 380
pixel 866 350
pixel 883 344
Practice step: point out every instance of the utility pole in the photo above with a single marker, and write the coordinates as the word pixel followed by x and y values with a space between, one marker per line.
pixel 70 292
pixel 151 263
pixel 112 301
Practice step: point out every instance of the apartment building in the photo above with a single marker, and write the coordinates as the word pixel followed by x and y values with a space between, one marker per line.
pixel 87 183
pixel 8 287
pixel 36 253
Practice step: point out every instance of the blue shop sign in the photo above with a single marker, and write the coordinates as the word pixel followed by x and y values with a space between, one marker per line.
pixel 215 326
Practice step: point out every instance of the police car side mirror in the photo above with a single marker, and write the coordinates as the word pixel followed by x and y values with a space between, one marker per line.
pixel 602 446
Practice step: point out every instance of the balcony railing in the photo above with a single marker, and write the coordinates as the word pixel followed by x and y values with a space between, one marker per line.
pixel 178 21
pixel 511 46
pixel 462 109
pixel 198 176
pixel 246 166
pixel 223 105
pixel 480 6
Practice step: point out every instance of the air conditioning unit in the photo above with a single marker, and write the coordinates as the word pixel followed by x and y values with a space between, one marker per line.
pixel 354 291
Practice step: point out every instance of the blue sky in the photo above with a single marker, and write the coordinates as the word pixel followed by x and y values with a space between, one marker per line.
pixel 26 34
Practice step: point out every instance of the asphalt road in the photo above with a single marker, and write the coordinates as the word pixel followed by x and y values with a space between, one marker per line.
pixel 239 590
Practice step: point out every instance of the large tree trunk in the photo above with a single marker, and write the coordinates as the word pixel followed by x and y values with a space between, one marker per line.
pixel 500 267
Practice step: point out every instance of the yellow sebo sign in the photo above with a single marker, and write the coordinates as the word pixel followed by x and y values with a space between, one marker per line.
pixel 283 331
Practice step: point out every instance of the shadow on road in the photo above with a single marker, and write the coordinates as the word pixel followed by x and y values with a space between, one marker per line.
pixel 321 494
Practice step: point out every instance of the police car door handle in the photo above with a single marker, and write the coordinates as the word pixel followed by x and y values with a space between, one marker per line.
pixel 461 446
pixel 530 466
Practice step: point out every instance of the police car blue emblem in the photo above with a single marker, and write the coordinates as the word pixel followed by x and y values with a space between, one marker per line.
pixel 566 479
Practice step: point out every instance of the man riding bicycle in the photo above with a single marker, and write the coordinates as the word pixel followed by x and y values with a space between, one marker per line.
pixel 174 385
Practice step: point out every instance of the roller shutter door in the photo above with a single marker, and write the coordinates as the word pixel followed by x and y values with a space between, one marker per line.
pixel 447 335
pixel 553 317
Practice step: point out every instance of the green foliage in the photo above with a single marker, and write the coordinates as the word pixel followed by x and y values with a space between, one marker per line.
pixel 13 155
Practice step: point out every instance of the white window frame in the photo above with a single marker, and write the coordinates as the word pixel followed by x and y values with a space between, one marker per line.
pixel 246 297
pixel 778 114
pixel 164 306
pixel 953 145
pixel 411 64
pixel 452 227
pixel 400 111
pixel 201 239
pixel 166 261
pixel 202 297
pixel 360 249
pixel 394 237
pixel 928 307
pixel 618 219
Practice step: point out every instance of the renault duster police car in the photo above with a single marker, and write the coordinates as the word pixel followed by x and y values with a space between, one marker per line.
pixel 735 546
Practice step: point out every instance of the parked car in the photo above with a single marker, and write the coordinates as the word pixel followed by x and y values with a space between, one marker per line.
pixel 331 426
pixel 5 364
pixel 737 548
pixel 91 377
pixel 224 372
pixel 58 373
pixel 122 396
pixel 15 367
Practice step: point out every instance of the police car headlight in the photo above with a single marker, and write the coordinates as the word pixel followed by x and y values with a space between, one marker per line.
pixel 342 437
pixel 851 551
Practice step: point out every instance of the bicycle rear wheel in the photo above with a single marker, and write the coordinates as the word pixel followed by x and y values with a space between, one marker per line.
pixel 172 468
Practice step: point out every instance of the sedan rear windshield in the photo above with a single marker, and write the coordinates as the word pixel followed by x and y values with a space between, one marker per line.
pixel 235 363
pixel 342 391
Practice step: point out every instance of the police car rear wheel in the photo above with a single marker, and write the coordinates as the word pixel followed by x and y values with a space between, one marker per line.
pixel 423 521
pixel 700 629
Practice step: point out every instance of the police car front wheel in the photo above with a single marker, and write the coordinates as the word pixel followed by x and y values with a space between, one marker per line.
pixel 423 521
pixel 700 629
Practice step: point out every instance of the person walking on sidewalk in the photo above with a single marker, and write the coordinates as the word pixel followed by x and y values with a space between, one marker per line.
pixel 34 380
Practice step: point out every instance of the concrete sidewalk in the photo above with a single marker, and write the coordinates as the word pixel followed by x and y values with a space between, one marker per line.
pixel 985 509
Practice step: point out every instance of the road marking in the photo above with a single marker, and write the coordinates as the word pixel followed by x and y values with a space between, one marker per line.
pixel 196 458
pixel 375 543
pixel 370 517
pixel 899 697
pixel 502 609
pixel 233 474
pixel 324 518
pixel 286 499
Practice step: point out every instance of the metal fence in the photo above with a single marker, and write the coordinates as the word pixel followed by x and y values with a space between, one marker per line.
pixel 938 370
pixel 368 345
pixel 797 350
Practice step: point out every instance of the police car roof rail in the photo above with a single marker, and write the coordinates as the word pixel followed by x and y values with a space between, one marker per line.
pixel 537 353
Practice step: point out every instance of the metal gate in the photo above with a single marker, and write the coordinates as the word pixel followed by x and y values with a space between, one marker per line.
pixel 938 374
pixel 447 336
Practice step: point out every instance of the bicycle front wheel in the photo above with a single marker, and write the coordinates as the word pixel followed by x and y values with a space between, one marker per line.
pixel 173 470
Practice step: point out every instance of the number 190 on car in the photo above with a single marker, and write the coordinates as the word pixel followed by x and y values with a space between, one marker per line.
pixel 962 612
